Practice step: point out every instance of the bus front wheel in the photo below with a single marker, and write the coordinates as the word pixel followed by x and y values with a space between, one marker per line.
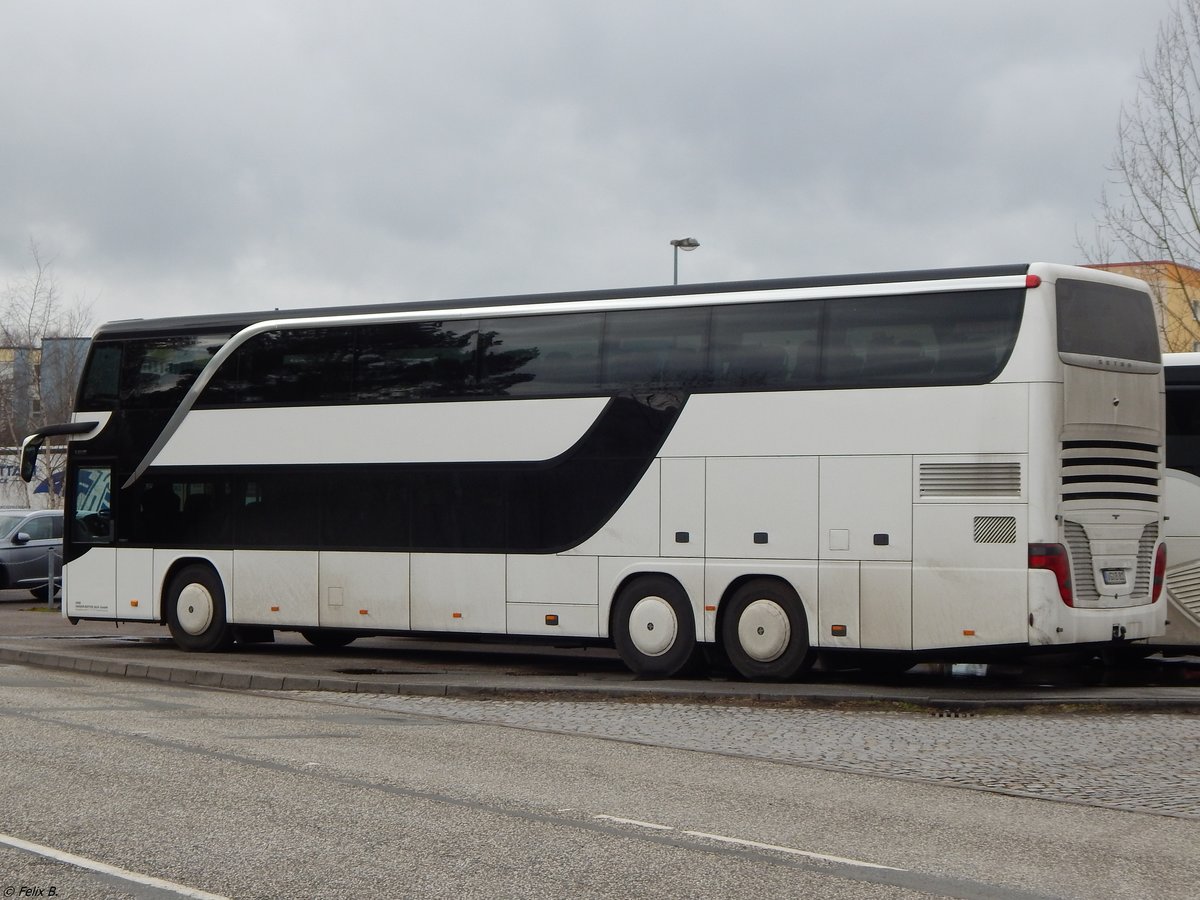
pixel 765 633
pixel 196 610
pixel 653 626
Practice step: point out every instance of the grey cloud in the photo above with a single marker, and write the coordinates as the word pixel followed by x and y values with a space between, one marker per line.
pixel 190 156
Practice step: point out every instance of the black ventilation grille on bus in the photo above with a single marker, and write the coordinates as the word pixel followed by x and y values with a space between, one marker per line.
pixel 995 530
pixel 1083 575
pixel 970 479
pixel 1110 470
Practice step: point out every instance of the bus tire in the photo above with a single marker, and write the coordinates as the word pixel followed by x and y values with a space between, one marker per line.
pixel 653 626
pixel 196 616
pixel 765 633
pixel 328 638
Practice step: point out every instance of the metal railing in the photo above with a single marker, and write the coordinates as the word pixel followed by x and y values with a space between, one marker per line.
pixel 53 585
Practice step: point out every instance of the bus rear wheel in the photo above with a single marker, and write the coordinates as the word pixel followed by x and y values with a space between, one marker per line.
pixel 653 626
pixel 195 604
pixel 765 633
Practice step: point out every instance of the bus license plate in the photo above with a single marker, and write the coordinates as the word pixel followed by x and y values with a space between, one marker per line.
pixel 1113 576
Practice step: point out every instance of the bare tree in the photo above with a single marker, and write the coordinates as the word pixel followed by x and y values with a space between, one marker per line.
pixel 1152 215
pixel 38 368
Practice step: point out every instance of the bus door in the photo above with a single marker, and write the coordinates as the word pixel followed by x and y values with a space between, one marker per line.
pixel 90 554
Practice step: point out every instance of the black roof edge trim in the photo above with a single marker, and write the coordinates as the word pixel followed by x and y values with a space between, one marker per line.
pixel 235 321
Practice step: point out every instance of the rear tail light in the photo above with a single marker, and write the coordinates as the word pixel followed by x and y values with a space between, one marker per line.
pixel 1053 557
pixel 1160 571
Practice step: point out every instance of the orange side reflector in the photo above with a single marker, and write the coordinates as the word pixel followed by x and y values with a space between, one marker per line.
pixel 363 612
pixel 838 630
pixel 456 615
pixel 551 619
pixel 274 609
pixel 710 609
pixel 133 603
pixel 968 632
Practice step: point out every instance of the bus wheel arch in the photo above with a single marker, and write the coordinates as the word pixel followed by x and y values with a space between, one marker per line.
pixel 329 638
pixel 764 630
pixel 653 626
pixel 194 607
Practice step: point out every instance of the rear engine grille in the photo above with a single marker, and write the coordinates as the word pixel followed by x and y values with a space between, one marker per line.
pixel 1110 470
pixel 1083 578
pixel 1145 563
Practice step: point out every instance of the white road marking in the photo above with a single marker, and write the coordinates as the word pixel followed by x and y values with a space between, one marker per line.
pixel 103 868
pixel 755 844
pixel 635 822
pixel 823 856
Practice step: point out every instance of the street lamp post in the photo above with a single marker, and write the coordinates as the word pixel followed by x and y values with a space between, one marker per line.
pixel 682 244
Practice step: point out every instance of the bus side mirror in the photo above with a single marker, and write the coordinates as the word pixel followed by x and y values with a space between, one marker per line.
pixel 29 454
pixel 33 443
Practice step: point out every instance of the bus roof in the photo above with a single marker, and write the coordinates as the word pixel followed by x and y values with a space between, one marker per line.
pixel 235 321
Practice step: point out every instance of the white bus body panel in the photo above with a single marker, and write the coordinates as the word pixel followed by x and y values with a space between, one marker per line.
pixel 682 507
pixel 760 508
pixel 89 583
pixel 989 418
pixel 364 590
pixel 837 604
pixel 866 507
pixel 136 589
pixel 1103 401
pixel 885 605
pixel 968 592
pixel 854 592
pixel 561 586
pixel 633 529
pixel 274 586
pixel 459 592
pixel 517 430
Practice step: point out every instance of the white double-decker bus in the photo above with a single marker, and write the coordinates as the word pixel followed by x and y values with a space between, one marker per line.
pixel 949 462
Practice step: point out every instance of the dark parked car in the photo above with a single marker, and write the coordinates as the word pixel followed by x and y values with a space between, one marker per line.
pixel 27 537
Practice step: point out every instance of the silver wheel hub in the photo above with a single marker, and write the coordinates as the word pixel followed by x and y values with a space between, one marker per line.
pixel 194 608
pixel 653 626
pixel 764 630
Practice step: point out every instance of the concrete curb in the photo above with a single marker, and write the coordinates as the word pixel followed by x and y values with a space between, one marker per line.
pixel 736 694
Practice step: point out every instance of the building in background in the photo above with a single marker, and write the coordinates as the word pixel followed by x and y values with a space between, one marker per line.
pixel 1176 291
pixel 37 386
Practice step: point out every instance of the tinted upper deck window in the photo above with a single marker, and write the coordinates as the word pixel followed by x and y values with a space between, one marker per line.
pixel 540 355
pixel 959 337
pixel 156 372
pixel 101 383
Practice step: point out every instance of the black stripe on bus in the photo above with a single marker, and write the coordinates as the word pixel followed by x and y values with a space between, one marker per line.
pixel 525 507
pixel 1110 495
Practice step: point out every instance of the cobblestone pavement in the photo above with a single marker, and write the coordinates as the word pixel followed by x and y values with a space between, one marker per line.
pixel 1144 762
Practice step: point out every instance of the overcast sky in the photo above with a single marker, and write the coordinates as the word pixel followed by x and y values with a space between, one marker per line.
pixel 185 157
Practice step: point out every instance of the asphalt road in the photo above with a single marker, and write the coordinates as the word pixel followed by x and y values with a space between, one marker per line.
pixel 278 794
